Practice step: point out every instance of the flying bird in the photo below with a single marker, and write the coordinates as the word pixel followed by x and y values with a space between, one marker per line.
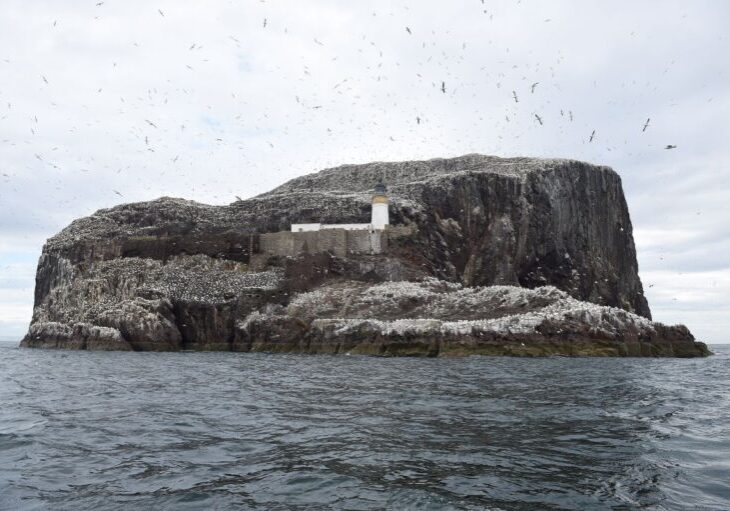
pixel 539 119
pixel 646 125
pixel 118 193
pixel 443 87
pixel 514 95
pixel 670 146
pixel 593 134
pixel 408 30
pixel 418 120
pixel 44 79
pixel 150 123
pixel 532 87
pixel 264 22
pixel 161 13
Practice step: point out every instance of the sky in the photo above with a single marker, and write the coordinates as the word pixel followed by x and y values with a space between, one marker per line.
pixel 103 103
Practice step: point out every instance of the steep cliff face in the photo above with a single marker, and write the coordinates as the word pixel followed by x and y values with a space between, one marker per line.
pixel 519 221
pixel 173 274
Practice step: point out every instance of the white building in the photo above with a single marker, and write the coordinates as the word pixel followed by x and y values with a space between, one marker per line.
pixel 379 217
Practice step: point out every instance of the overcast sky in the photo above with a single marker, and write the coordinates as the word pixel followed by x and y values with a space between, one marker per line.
pixel 127 100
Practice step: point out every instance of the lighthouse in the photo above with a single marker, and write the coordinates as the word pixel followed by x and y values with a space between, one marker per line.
pixel 379 219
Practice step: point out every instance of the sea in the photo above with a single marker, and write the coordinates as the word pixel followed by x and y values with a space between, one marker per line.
pixel 226 431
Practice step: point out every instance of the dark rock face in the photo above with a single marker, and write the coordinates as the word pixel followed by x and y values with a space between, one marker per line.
pixel 521 221
pixel 173 274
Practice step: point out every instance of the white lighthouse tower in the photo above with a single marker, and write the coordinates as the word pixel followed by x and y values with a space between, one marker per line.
pixel 380 219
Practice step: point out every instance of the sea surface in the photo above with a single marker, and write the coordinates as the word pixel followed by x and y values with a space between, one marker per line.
pixel 178 431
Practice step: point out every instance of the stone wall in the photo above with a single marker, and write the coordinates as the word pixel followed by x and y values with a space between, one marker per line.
pixel 339 242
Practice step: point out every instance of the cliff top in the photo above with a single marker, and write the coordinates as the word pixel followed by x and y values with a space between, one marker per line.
pixel 362 177
pixel 340 194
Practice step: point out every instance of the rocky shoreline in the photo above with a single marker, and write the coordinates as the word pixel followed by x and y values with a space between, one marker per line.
pixel 443 319
pixel 520 257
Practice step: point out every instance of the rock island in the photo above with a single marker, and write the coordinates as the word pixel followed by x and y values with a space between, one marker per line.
pixel 468 255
